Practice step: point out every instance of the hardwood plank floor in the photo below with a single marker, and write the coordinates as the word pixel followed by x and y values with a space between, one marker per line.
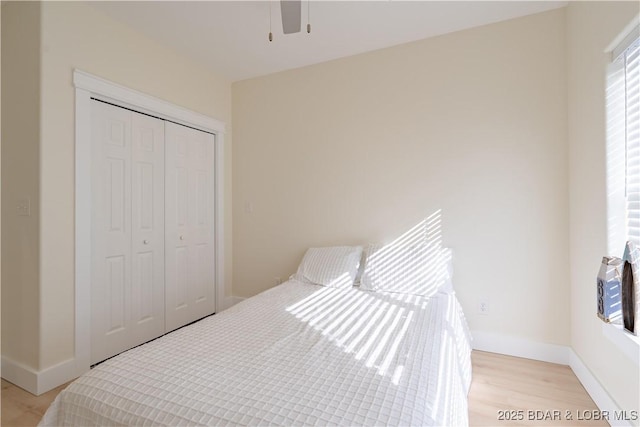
pixel 21 408
pixel 529 391
pixel 500 383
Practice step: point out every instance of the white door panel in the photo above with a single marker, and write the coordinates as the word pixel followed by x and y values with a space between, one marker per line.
pixel 147 213
pixel 190 280
pixel 152 228
pixel 127 290
pixel 111 230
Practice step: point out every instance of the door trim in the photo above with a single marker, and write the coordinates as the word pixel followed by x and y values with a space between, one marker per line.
pixel 88 86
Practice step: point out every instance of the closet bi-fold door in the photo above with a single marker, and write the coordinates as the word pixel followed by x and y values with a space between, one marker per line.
pixel 127 290
pixel 190 280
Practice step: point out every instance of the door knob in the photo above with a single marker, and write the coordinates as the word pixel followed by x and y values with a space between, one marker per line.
pixel 181 237
pixel 146 242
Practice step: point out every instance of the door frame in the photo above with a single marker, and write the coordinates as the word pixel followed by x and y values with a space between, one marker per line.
pixel 88 86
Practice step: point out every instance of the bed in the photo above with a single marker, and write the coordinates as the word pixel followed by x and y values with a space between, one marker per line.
pixel 296 354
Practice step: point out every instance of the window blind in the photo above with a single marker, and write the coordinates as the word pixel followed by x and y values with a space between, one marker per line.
pixel 632 139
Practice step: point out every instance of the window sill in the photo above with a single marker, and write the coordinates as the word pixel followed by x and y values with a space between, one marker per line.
pixel 628 343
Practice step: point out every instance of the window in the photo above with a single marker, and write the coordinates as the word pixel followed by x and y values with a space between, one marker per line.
pixel 623 143
pixel 623 165
pixel 631 63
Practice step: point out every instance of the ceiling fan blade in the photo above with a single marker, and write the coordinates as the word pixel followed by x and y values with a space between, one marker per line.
pixel 291 11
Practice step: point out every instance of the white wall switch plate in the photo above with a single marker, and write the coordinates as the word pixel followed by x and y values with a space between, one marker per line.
pixel 23 207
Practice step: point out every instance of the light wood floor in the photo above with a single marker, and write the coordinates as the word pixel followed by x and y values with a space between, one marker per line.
pixel 500 383
pixel 503 383
pixel 21 408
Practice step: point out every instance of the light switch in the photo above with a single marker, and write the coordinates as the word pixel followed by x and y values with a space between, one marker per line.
pixel 248 208
pixel 23 206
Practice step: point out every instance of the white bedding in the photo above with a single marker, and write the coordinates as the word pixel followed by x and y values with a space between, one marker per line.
pixel 297 354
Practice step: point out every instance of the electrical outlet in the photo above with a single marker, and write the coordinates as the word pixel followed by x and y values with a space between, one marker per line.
pixel 278 280
pixel 483 306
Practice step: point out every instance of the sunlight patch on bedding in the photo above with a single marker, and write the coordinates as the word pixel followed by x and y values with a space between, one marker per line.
pixel 313 302
pixel 341 281
pixel 397 374
pixel 446 368
pixel 416 269
pixel 451 363
pixel 343 339
pixel 382 343
pixel 414 263
pixel 394 347
pixel 377 332
pixel 371 327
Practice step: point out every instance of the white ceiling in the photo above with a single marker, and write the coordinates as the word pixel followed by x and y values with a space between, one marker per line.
pixel 231 37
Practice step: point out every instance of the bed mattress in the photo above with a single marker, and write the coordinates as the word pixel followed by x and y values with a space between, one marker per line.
pixel 297 354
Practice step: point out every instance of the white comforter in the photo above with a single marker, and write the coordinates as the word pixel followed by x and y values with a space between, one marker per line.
pixel 296 354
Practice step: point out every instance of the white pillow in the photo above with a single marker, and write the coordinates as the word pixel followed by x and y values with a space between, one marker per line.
pixel 416 269
pixel 335 267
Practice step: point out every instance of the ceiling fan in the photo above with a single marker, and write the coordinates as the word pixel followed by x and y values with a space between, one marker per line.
pixel 291 12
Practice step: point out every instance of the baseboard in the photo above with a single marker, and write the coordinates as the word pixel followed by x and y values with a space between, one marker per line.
pixel 20 375
pixel 520 347
pixel 231 301
pixel 56 375
pixel 603 401
pixel 38 382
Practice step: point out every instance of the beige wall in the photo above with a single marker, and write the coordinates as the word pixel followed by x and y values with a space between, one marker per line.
pixel 346 152
pixel 1 4
pixel 75 35
pixel 591 27
pixel 362 148
pixel 20 178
